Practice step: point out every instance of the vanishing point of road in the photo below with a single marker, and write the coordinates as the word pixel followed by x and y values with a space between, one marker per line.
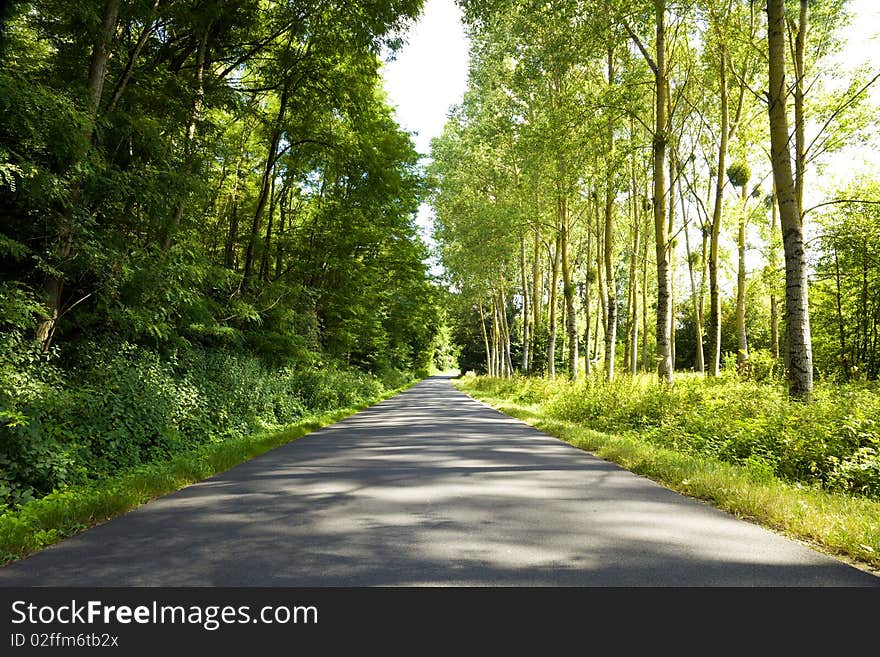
pixel 428 488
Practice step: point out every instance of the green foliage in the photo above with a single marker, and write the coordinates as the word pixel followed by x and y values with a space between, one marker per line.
pixel 739 174
pixel 218 240
pixel 832 443
pixel 117 406
pixel 32 455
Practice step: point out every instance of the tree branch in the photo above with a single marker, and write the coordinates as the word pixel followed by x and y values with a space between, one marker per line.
pixel 640 45
pixel 850 101
pixel 839 201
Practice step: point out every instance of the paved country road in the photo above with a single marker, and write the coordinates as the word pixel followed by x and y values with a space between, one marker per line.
pixel 429 488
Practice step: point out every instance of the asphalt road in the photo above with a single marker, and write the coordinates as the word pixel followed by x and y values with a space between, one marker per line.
pixel 429 488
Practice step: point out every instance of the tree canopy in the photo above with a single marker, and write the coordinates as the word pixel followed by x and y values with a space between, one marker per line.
pixel 188 184
pixel 617 171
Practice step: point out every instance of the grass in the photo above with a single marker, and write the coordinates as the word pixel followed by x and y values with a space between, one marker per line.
pixel 61 514
pixel 841 525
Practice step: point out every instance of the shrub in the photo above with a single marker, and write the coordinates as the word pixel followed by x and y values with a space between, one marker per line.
pixel 115 406
pixel 833 442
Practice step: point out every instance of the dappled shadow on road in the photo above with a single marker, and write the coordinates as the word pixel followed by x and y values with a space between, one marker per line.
pixel 428 488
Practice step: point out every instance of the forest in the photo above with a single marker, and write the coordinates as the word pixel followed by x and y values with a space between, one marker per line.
pixel 206 227
pixel 658 205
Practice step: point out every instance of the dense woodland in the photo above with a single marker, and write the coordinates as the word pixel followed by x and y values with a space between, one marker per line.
pixel 206 226
pixel 638 186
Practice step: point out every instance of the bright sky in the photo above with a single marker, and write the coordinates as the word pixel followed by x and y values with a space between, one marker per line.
pixel 428 75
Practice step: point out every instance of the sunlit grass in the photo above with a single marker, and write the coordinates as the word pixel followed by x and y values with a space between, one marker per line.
pixel 839 524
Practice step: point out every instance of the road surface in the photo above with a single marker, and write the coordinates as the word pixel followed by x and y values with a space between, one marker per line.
pixel 429 488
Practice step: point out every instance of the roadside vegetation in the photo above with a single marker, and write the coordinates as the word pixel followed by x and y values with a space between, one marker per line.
pixel 207 236
pixel 808 471
pixel 44 520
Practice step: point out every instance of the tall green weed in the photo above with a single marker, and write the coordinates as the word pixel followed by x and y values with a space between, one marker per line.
pixel 831 443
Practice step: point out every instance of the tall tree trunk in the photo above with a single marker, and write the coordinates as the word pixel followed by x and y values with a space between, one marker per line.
pixel 672 260
pixel 537 289
pixel 554 277
pixel 633 305
pixel 645 366
pixel 499 321
pixel 800 155
pixel 267 242
pixel 714 364
pixel 265 186
pixel 864 312
pixel 610 284
pixel 148 28
pixel 600 282
pixel 496 338
pixel 797 316
pixel 53 288
pixel 505 328
pixel 608 239
pixel 485 339
pixel 742 353
pixel 100 56
pixel 283 212
pixel 587 302
pixel 627 322
pixel 525 296
pixel 568 292
pixel 229 254
pixel 695 301
pixel 841 325
pixel 704 275
pixel 496 362
pixel 661 236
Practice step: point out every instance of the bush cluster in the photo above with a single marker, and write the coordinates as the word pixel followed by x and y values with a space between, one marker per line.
pixel 115 406
pixel 831 443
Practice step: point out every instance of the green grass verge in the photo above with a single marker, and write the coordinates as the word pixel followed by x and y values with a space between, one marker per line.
pixel 844 526
pixel 61 514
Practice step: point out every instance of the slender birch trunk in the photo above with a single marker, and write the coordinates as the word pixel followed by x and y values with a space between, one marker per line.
pixel 265 185
pixel 714 368
pixel 774 264
pixel 568 292
pixel 742 353
pixel 537 285
pixel 485 339
pixel 632 310
pixel 554 277
pixel 661 236
pixel 797 316
pixel 525 296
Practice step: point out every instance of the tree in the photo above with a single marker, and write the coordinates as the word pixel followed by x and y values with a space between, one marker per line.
pixel 799 351
pixel 659 66
pixel 739 174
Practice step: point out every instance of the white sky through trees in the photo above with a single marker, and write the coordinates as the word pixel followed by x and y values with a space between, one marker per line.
pixel 430 72
pixel 428 75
